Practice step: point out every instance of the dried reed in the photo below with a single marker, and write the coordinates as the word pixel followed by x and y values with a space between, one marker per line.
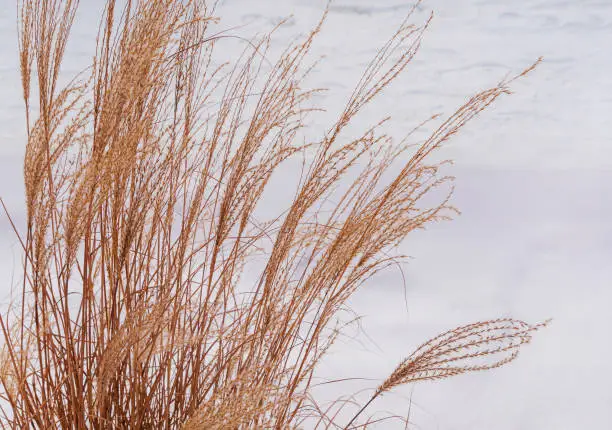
pixel 141 197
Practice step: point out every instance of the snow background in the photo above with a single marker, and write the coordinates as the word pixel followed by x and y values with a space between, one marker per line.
pixel 534 173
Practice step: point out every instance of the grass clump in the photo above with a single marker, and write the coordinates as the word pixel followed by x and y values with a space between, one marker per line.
pixel 142 180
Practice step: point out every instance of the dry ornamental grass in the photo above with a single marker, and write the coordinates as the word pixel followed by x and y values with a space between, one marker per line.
pixel 142 179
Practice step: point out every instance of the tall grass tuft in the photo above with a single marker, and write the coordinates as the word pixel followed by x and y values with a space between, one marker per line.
pixel 142 179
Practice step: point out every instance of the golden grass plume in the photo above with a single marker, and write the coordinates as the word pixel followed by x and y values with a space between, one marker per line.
pixel 143 176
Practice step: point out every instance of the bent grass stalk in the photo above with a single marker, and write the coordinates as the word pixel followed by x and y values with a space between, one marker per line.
pixel 142 180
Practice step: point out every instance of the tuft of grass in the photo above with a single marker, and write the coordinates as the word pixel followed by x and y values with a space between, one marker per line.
pixel 143 176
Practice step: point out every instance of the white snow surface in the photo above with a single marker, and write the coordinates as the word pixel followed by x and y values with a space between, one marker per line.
pixel 534 183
